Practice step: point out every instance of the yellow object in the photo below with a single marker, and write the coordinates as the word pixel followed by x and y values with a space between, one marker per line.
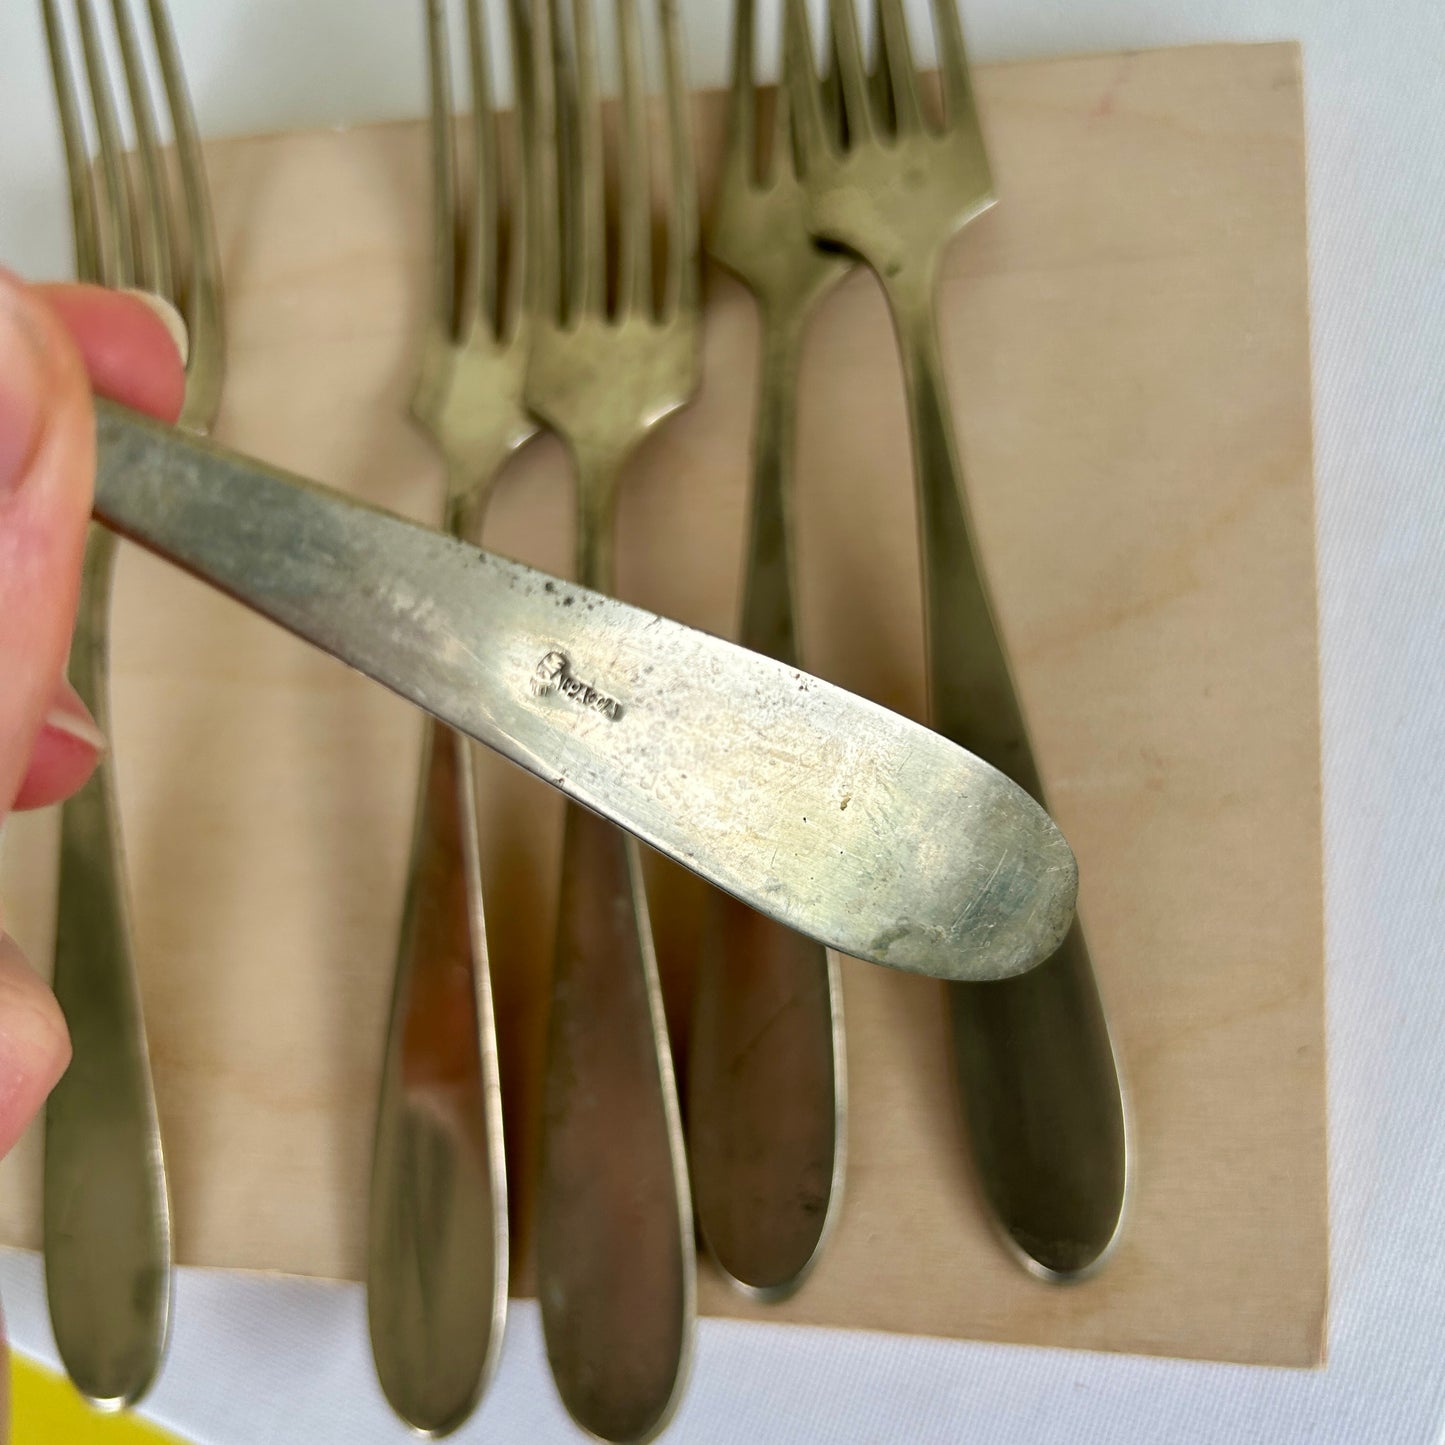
pixel 45 1410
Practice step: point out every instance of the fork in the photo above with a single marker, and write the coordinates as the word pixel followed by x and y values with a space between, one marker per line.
pixel 1035 1065
pixel 107 1241
pixel 437 1260
pixel 615 1265
pixel 766 1074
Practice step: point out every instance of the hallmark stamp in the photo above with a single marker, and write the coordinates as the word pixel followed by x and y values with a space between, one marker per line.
pixel 554 674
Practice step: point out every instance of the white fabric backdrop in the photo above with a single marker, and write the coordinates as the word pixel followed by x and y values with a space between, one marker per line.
pixel 255 1362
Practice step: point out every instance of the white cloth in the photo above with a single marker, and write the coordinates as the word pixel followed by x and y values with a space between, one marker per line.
pixel 258 1361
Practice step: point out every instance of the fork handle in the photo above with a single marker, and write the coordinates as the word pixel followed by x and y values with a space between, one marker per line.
pixel 107 1241
pixel 616 1272
pixel 615 1267
pixel 437 1254
pixel 1036 1068
pixel 766 1081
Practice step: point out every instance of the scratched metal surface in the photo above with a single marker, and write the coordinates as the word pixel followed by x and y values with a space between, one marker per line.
pixel 835 816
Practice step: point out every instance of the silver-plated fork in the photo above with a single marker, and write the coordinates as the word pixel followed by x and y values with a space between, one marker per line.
pixel 437 1261
pixel 107 1237
pixel 615 1260
pixel 766 1075
pixel 1036 1069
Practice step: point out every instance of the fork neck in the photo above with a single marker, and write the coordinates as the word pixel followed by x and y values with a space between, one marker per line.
pixel 782 321
pixel 462 516
pixel 598 469
pixel 911 287
pixel 912 301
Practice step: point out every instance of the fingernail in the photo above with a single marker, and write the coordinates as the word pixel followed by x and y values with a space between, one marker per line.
pixel 70 716
pixel 22 404
pixel 171 319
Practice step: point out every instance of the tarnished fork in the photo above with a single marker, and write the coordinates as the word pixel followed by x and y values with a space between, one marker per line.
pixel 615 1256
pixel 437 1261
pixel 107 1239
pixel 766 1074
pixel 1036 1069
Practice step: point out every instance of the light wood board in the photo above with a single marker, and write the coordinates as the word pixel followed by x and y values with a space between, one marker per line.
pixel 1126 336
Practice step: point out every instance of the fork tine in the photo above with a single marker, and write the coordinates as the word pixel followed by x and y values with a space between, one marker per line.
pixel 812 134
pixel 683 260
pixel 634 221
pixel 589 178
pixel 84 234
pixel 564 177
pixel 443 171
pixel 848 55
pixel 953 62
pixel 153 268
pixel 544 178
pixel 480 301
pixel 201 307
pixel 567 169
pixel 782 157
pixel 521 262
pixel 896 69
pixel 741 145
pixel 113 225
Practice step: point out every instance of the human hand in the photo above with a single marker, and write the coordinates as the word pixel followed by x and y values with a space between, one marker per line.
pixel 56 344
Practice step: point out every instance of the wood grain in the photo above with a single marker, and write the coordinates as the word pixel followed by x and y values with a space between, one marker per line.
pixel 1127 339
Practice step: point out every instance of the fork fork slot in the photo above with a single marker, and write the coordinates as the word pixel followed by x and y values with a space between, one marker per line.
pixel 445 292
pixel 83 223
pixel 813 136
pixel 198 295
pixel 116 242
pixel 740 140
pixel 580 158
pixel 681 292
pixel 634 228
pixel 152 224
pixel 481 289
pixel 847 54
pixel 953 63
pixel 896 91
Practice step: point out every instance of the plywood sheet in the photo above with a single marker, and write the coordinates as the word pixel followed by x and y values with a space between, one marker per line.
pixel 1126 335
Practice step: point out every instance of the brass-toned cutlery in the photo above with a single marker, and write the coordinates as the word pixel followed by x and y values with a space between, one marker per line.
pixel 872 834
pixel 615 1254
pixel 766 1102
pixel 723 760
pixel 437 1262
pixel 1036 1068
pixel 107 1237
